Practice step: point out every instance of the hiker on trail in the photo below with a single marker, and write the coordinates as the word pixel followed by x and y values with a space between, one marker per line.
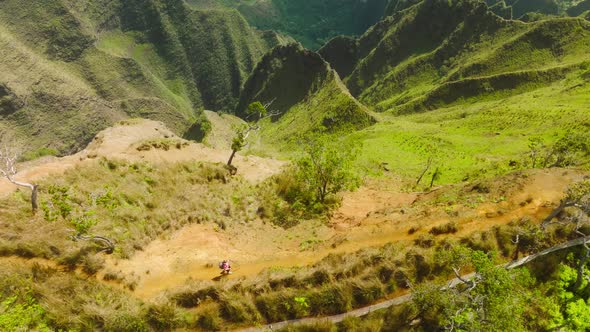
pixel 225 267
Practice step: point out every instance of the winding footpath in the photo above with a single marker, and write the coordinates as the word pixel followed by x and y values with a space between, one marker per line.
pixel 406 298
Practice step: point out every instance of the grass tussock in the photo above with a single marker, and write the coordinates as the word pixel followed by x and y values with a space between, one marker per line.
pixel 448 228
pixel 162 144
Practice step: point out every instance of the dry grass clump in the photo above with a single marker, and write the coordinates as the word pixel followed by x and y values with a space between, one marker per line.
pixel 163 317
pixel 425 241
pixel 209 318
pixel 191 299
pixel 162 144
pixel 238 309
pixel 448 228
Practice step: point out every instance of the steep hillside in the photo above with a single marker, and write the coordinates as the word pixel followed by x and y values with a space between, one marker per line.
pixel 310 22
pixel 71 68
pixel 411 62
pixel 305 90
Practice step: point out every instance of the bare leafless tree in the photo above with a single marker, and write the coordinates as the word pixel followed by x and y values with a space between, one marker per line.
pixel 10 152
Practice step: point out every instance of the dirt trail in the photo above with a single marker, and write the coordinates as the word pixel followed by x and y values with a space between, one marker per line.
pixel 121 142
pixel 370 216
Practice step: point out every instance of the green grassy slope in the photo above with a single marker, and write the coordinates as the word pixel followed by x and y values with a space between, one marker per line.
pixel 478 138
pixel 71 68
pixel 579 8
pixel 215 48
pixel 396 6
pixel 468 88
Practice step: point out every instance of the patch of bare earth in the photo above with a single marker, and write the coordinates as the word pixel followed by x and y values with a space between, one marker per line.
pixel 122 141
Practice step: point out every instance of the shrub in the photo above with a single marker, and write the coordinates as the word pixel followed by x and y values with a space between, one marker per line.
pixel 112 276
pixel 420 264
pixel 483 242
pixel 92 264
pixel 289 281
pixel 238 310
pixel 213 172
pixel 326 167
pixel 162 144
pixel 425 241
pixel 276 307
pixel 324 170
pixel 22 316
pixel 191 299
pixel 385 273
pixel 318 278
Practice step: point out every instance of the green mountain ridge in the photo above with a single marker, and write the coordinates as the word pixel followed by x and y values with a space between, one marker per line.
pixel 468 52
pixel 96 62
pixel 520 8
pixel 306 92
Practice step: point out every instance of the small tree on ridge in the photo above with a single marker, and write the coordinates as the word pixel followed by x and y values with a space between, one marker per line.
pixel 255 113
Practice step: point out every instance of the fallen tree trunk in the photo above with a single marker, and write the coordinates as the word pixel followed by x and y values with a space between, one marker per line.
pixel 109 246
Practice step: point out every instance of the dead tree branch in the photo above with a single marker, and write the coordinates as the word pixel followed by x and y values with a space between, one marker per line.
pixel 428 164
pixel 471 283
pixel 108 245
pixel 9 155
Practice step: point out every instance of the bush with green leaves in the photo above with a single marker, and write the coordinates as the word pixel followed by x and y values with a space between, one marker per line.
pixel 324 169
pixel 23 315
pixel 62 205
pixel 574 304
pixel 59 203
